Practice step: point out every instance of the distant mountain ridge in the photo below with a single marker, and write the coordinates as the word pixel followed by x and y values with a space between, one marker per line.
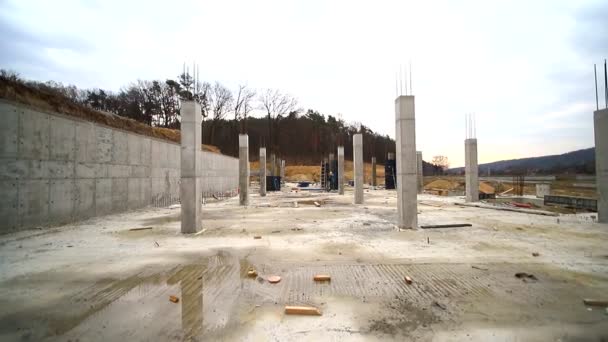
pixel 580 161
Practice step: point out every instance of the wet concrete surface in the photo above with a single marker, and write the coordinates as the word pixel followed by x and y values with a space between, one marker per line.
pixel 99 281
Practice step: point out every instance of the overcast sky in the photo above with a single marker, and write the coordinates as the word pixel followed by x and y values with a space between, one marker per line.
pixel 524 68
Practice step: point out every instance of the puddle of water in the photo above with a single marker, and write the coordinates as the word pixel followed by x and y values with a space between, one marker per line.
pixel 137 306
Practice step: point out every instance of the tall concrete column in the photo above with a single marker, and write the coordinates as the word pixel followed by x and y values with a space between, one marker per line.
pixel 243 169
pixel 262 171
pixel 419 168
pixel 191 167
pixel 341 170
pixel 405 124
pixel 283 170
pixel 471 171
pixel 273 164
pixel 600 127
pixel 358 167
pixel 373 171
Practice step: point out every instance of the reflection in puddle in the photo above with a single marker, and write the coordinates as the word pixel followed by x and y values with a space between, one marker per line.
pixel 141 307
pixel 190 279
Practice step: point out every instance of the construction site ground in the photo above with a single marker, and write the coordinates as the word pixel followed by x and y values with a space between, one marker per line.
pixel 99 280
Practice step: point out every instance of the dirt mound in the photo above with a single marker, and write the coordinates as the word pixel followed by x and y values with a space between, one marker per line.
pixel 211 148
pixel 45 101
pixel 442 184
pixel 48 101
pixel 303 172
pixel 313 172
pixel 300 177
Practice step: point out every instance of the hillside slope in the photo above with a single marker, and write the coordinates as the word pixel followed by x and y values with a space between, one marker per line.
pixel 580 161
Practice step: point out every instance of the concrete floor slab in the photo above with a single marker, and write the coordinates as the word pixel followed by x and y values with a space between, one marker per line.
pixel 99 280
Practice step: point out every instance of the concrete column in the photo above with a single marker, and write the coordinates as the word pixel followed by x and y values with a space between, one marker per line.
pixel 273 164
pixel 543 190
pixel 419 173
pixel 191 167
pixel 471 171
pixel 341 170
pixel 405 123
pixel 262 171
pixel 243 169
pixel 358 167
pixel 283 170
pixel 600 127
pixel 373 171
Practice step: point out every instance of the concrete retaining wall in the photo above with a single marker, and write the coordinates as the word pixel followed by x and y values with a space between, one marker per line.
pixel 55 169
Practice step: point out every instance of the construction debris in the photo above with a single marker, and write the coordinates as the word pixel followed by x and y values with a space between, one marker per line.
pixel 173 299
pixel 506 192
pixel 486 188
pixel 526 277
pixel 322 277
pixel 522 205
pixel 408 280
pixel 535 254
pixel 495 207
pixel 252 273
pixel 302 310
pixel 273 279
pixel 317 204
pixel 257 237
pixel 479 268
pixel 596 302
pixel 439 305
pixel 438 205
pixel 455 225
pixel 156 244
pixel 140 228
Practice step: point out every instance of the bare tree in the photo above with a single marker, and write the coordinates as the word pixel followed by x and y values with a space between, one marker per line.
pixel 242 106
pixel 442 162
pixel 276 104
pixel 220 103
pixel 202 95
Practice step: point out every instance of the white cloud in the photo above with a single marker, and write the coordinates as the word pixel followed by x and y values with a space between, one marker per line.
pixel 515 63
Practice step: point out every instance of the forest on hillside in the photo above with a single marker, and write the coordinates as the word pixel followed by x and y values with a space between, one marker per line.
pixel 297 135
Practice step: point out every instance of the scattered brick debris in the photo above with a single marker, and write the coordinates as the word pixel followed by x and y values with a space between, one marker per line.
pixel 302 310
pixel 322 277
pixel 273 279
